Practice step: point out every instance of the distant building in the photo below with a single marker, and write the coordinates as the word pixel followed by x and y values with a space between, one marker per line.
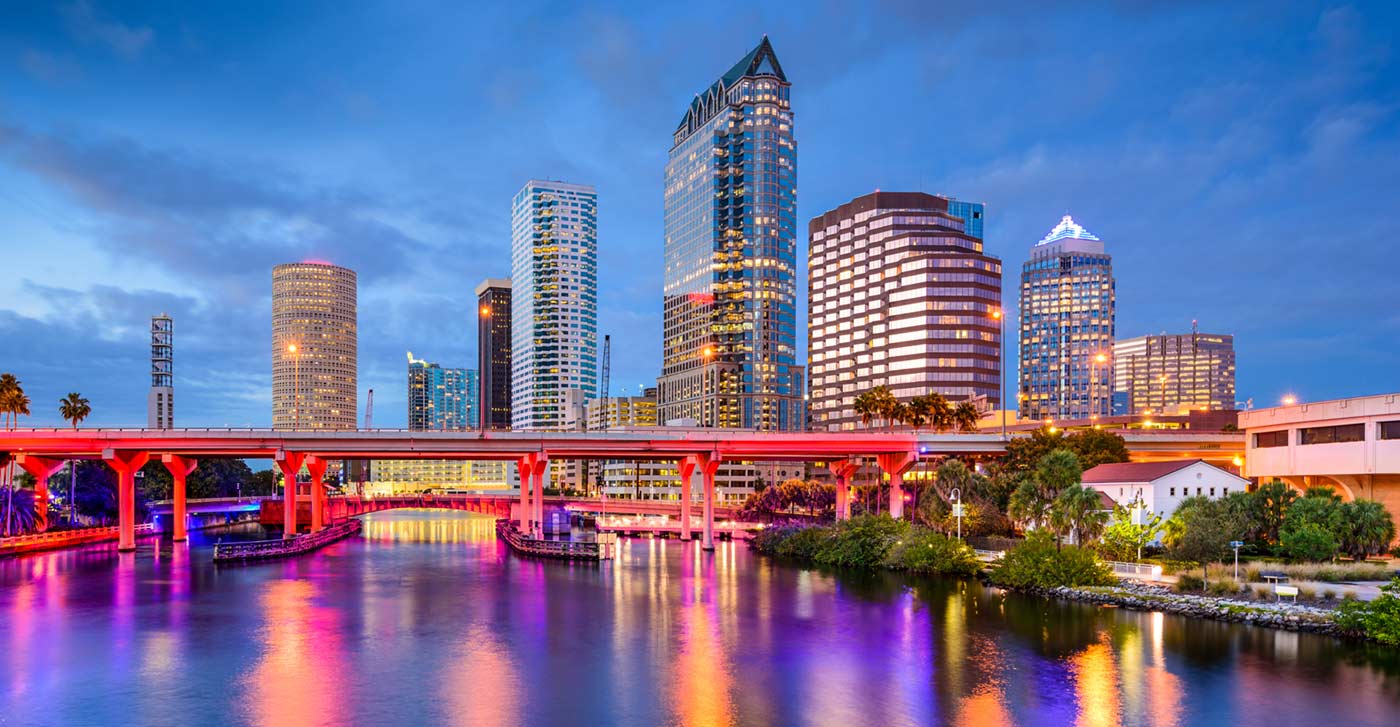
pixel 493 352
pixel 1173 374
pixel 441 398
pixel 729 311
pixel 1161 486
pixel 160 402
pixel 1067 326
pixel 899 296
pixel 314 343
pixel 554 301
pixel 971 213
pixel 623 411
pixel 413 476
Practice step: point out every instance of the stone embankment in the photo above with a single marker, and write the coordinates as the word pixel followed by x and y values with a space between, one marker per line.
pixel 1143 597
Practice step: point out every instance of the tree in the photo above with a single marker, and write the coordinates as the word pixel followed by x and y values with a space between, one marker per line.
pixel 1273 501
pixel 1028 506
pixel 1310 542
pixel 898 413
pixel 1367 528
pixel 1124 539
pixel 1199 530
pixel 1079 511
pixel 263 482
pixel 864 405
pixel 884 403
pixel 9 385
pixel 14 403
pixel 965 416
pixel 1093 447
pixel 74 408
pixel 940 412
pixel 1243 511
pixel 1031 502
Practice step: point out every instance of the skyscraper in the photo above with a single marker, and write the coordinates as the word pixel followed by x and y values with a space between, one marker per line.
pixel 313 346
pixel 1175 373
pixel 160 402
pixel 1067 325
pixel 729 356
pixel 899 296
pixel 441 398
pixel 493 352
pixel 554 304
pixel 971 213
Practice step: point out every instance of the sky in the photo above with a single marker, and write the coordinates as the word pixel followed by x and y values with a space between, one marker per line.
pixel 1240 160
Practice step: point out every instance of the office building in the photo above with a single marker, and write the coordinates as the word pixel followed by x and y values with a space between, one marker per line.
pixel 971 213
pixel 313 346
pixel 554 300
pixel 441 398
pixel 899 296
pixel 1067 326
pixel 729 355
pixel 160 402
pixel 1175 373
pixel 493 352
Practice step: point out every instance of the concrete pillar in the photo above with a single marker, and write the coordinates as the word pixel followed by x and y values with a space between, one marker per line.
pixel 708 466
pixel 542 480
pixel 290 464
pixel 895 465
pixel 180 469
pixel 317 467
pixel 689 470
pixel 126 463
pixel 42 468
pixel 843 471
pixel 524 470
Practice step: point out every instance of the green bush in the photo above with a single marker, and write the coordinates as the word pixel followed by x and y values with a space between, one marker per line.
pixel 768 540
pixel 1189 582
pixel 862 542
pixel 925 551
pixel 804 543
pixel 1225 587
pixel 1037 563
pixel 1310 542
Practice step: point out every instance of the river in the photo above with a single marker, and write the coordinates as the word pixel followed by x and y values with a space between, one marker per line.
pixel 425 619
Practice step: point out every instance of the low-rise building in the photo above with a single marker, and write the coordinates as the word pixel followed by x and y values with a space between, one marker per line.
pixel 1161 486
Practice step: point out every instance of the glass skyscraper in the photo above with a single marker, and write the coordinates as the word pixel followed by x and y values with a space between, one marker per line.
pixel 441 398
pixel 971 213
pixel 1067 326
pixel 729 311
pixel 554 300
pixel 493 352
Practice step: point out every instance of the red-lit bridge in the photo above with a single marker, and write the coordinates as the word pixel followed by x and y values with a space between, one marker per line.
pixel 699 453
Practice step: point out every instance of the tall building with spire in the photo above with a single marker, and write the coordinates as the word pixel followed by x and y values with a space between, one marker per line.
pixel 160 402
pixel 1067 326
pixel 729 310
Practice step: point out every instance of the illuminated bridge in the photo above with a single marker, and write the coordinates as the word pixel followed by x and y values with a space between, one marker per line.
pixel 698 453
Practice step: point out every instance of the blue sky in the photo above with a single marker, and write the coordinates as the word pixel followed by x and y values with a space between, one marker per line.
pixel 1240 160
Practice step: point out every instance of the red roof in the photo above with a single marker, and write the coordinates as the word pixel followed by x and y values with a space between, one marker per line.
pixel 1117 472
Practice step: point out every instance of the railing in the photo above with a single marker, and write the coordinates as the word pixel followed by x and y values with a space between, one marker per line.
pixel 281 548
pixel 604 548
pixel 1138 571
pixel 68 537
pixel 988 555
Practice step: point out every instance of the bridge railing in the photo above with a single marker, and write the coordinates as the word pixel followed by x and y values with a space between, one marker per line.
pixel 72 535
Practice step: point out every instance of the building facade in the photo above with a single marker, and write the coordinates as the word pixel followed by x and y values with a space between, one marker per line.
pixel 314 346
pixel 729 308
pixel 1067 316
pixel 899 295
pixel 441 398
pixel 493 352
pixel 160 402
pixel 554 301
pixel 1175 373
pixel 971 213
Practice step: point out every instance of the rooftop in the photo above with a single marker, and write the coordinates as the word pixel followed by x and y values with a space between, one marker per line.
pixel 1067 229
pixel 1134 471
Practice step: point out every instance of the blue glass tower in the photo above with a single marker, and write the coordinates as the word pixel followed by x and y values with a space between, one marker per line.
pixel 441 398
pixel 729 354
pixel 971 213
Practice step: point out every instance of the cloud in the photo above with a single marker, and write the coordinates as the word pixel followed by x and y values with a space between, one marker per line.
pixel 86 24
pixel 49 67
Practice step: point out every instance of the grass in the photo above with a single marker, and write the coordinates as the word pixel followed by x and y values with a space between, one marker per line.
pixel 1322 572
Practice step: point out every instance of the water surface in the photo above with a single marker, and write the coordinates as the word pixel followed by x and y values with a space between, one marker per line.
pixel 426 619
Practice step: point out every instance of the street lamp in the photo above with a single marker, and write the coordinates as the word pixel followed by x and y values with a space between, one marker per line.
pixel 1001 365
pixel 296 384
pixel 956 494
pixel 1289 400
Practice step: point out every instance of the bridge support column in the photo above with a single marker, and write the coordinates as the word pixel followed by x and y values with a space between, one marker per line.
pixel 895 465
pixel 525 470
pixel 42 468
pixel 180 468
pixel 541 482
pixel 290 464
pixel 843 471
pixel 317 467
pixel 689 469
pixel 126 463
pixel 708 465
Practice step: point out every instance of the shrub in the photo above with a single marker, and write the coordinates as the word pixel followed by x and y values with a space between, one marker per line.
pixel 862 542
pixel 804 543
pixel 1307 593
pixel 1378 619
pixel 1224 587
pixel 1263 593
pixel 1329 595
pixel 768 540
pixel 1348 596
pixel 1189 582
pixel 925 551
pixel 1037 563
pixel 1252 574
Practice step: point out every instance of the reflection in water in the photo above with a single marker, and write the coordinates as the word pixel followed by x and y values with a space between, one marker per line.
pixel 426 619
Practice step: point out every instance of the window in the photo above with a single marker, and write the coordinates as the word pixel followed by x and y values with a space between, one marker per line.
pixel 1389 430
pixel 1271 439
pixel 1212 492
pixel 1173 492
pixel 1332 435
pixel 1198 492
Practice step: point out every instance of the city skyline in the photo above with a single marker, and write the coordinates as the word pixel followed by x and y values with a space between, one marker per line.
pixel 91 318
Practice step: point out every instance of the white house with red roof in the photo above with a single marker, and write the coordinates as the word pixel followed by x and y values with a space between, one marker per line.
pixel 1162 485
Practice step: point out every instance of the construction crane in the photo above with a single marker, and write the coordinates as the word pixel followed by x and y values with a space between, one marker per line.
pixel 369 410
pixel 369 424
pixel 605 376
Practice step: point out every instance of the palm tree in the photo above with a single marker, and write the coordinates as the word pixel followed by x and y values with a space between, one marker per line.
pixel 965 416
pixel 883 403
pixel 864 405
pixel 74 408
pixel 899 413
pixel 916 414
pixel 15 404
pixel 1028 505
pixel 940 413
pixel 8 386
pixel 1078 510
pixel 1367 528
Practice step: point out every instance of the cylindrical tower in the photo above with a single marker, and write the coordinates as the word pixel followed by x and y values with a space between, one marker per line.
pixel 314 343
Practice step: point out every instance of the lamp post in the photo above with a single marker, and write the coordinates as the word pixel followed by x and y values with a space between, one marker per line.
pixel 1001 366
pixel 481 397
pixel 956 494
pixel 706 354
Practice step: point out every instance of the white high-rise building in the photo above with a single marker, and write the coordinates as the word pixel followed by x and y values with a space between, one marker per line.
pixel 160 402
pixel 554 304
